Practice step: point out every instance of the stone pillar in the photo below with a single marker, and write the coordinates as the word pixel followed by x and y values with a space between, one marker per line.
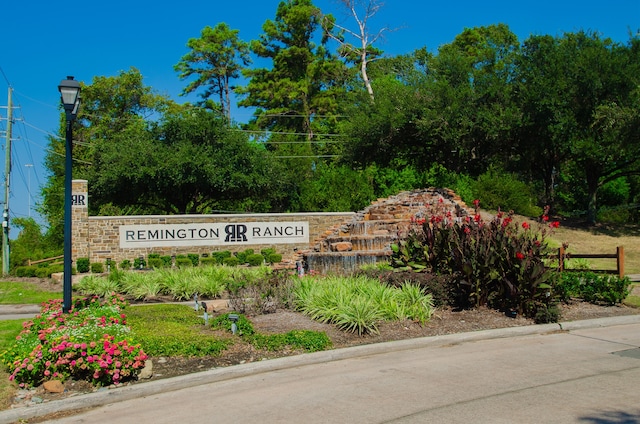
pixel 79 219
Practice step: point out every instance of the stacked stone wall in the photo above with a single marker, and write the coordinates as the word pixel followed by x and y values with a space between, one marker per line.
pixel 98 237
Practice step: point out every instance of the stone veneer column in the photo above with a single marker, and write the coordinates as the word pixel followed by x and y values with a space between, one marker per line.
pixel 79 220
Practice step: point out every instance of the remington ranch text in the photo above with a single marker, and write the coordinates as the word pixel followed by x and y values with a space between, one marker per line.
pixel 215 234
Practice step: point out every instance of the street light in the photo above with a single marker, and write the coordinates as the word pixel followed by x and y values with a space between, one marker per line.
pixel 70 95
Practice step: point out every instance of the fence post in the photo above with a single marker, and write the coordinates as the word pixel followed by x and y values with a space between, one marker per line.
pixel 620 259
pixel 561 258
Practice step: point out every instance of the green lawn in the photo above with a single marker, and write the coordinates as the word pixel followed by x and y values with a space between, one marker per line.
pixel 633 299
pixel 12 293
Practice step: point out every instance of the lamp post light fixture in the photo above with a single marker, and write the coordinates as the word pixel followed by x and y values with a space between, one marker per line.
pixel 70 96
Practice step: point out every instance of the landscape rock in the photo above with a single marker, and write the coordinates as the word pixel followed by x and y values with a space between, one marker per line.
pixel 53 386
pixel 342 246
pixel 147 371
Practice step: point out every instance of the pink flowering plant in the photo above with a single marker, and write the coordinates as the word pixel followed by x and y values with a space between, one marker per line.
pixel 497 263
pixel 91 342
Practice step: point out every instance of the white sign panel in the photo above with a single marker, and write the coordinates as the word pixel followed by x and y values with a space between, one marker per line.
pixel 213 234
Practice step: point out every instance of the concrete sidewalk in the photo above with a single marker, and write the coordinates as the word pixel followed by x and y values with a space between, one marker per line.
pixel 11 312
pixel 463 366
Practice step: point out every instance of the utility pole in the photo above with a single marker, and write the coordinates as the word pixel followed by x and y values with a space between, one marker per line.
pixel 7 171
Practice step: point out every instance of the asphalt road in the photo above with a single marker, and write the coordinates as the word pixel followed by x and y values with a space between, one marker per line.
pixel 587 373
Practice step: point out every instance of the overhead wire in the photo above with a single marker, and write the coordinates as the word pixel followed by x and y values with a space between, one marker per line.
pixel 16 159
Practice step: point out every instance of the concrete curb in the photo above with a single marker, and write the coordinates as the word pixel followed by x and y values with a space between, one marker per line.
pixel 107 396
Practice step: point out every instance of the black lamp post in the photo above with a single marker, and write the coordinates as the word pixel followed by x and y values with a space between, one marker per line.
pixel 70 94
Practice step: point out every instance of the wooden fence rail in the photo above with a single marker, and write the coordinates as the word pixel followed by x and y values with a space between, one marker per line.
pixel 30 262
pixel 563 256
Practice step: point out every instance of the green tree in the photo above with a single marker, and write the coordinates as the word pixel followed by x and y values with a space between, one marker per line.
pixel 216 58
pixel 189 162
pixel 384 132
pixel 110 106
pixel 579 97
pixel 326 190
pixel 543 87
pixel 298 94
pixel 469 116
pixel 296 98
pixel 31 243
pixel 361 51
pixel 453 108
pixel 609 145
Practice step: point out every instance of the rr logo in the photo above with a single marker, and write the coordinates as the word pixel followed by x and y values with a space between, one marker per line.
pixel 235 232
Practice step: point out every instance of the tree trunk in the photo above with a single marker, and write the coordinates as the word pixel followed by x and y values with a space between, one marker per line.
pixel 365 77
pixel 592 186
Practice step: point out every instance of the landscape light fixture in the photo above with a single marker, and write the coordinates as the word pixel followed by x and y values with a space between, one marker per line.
pixel 70 97
pixel 234 322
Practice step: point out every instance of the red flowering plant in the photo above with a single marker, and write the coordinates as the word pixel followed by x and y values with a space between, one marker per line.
pixel 91 343
pixel 497 263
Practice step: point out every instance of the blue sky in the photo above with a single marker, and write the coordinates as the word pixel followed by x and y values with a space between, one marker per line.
pixel 44 41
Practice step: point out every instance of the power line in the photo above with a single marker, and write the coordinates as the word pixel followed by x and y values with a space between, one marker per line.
pixel 306 142
pixel 267 132
pixel 277 115
pixel 310 156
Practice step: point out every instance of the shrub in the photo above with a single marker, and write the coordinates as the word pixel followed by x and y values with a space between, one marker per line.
pixel 441 287
pixel 90 343
pixel 125 264
pixel 141 286
pixel 166 261
pixel 97 267
pixel 614 215
pixel 139 263
pixel 263 294
pixel 194 258
pixel 360 315
pixel 97 286
pixel 244 326
pixel 156 263
pixel 26 271
pixel 153 256
pixel 592 287
pixel 182 262
pixel 43 273
pixel 214 281
pixel 255 259
pixel 274 258
pixel 547 314
pixel 358 303
pixel 498 190
pixel 243 256
pixel 220 256
pixel 494 264
pixel 182 285
pixel 82 265
pixel 231 261
pixel 208 261
pixel 271 256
